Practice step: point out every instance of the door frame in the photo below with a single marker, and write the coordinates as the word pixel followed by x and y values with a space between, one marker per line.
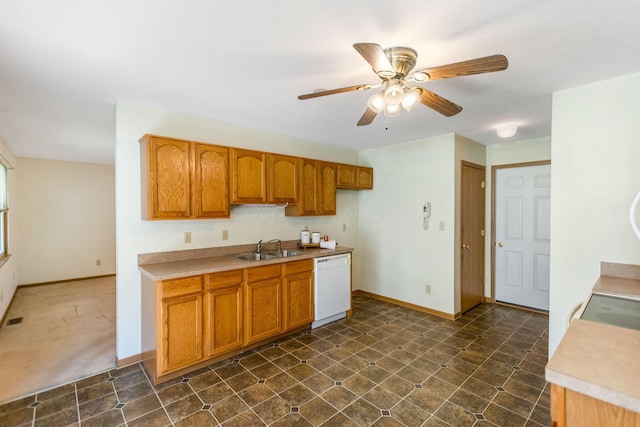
pixel 494 170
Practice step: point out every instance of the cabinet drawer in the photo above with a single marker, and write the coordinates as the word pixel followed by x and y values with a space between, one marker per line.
pixel 172 288
pixel 298 266
pixel 262 273
pixel 225 278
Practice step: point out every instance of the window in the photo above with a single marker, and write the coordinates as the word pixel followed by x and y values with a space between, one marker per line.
pixel 4 211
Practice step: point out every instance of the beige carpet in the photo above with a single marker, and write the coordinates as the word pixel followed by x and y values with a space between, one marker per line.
pixel 67 332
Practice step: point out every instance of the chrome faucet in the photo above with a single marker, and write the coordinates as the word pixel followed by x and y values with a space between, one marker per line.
pixel 272 240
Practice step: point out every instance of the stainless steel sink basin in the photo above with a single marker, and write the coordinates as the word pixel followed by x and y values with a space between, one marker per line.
pixel 284 253
pixel 259 256
pixel 255 256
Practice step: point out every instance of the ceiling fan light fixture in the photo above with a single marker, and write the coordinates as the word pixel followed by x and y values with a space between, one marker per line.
pixel 421 76
pixel 376 102
pixel 392 110
pixel 394 93
pixel 507 130
pixel 411 98
pixel 386 74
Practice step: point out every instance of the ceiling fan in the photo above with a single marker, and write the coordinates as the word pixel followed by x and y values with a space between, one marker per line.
pixel 393 66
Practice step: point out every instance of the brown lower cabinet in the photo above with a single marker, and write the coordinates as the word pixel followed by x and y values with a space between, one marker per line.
pixel 263 303
pixel 192 321
pixel 223 315
pixel 181 314
pixel 570 408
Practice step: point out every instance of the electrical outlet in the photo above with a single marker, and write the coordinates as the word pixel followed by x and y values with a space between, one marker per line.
pixel 441 225
pixel 344 227
pixel 98 262
pixel 187 237
pixel 225 234
pixel 427 288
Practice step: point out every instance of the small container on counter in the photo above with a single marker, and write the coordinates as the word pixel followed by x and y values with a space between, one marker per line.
pixel 315 237
pixel 305 237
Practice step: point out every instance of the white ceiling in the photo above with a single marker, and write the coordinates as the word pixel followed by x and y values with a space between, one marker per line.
pixel 65 64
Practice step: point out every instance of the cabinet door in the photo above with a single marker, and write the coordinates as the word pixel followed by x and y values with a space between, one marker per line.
pixel 365 178
pixel 248 176
pixel 347 176
pixel 264 311
pixel 308 191
pixel 223 312
pixel 181 340
pixel 327 188
pixel 283 179
pixel 167 193
pixel 224 319
pixel 298 300
pixel 570 408
pixel 211 181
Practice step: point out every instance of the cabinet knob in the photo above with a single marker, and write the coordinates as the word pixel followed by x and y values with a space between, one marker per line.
pixel 500 244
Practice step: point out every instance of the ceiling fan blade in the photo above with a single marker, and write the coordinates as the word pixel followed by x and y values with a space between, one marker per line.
pixel 438 103
pixel 334 91
pixel 367 117
pixel 487 64
pixel 375 56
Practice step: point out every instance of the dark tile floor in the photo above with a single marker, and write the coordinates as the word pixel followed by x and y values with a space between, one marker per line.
pixel 385 366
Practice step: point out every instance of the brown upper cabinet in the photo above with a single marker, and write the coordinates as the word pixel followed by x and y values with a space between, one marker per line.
pixel 258 177
pixel 327 188
pixel 317 194
pixel 283 178
pixel 355 177
pixel 248 176
pixel 183 179
pixel 365 178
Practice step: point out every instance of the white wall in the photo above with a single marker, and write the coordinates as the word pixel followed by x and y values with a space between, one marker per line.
pixel 529 150
pixel 9 270
pixel 398 257
pixel 248 224
pixel 595 171
pixel 66 220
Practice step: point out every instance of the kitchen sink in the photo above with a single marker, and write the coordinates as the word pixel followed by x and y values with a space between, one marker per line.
pixel 284 253
pixel 255 256
pixel 260 256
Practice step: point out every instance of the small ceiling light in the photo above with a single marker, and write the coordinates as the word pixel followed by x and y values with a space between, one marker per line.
pixel 394 93
pixel 376 102
pixel 507 130
pixel 421 76
pixel 392 110
pixel 411 98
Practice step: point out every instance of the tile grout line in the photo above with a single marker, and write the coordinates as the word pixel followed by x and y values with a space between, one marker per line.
pixel 75 389
pixel 157 397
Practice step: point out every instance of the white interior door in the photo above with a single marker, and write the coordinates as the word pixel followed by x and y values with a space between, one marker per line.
pixel 522 230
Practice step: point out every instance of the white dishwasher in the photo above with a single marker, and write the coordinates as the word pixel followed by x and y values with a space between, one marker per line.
pixel 332 288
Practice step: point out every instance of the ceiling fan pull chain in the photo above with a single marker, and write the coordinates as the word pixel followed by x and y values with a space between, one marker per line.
pixel 386 122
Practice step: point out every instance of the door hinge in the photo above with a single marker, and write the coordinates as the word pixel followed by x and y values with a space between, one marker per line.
pixel 482 233
pixel 482 184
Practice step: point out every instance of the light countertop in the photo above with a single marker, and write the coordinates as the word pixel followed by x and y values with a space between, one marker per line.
pixel 174 269
pixel 600 360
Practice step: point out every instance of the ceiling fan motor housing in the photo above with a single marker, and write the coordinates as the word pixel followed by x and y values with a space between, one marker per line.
pixel 402 59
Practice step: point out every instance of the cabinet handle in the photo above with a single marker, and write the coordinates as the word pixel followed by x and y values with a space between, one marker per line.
pixel 465 246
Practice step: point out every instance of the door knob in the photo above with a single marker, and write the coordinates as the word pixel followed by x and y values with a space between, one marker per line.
pixel 500 244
